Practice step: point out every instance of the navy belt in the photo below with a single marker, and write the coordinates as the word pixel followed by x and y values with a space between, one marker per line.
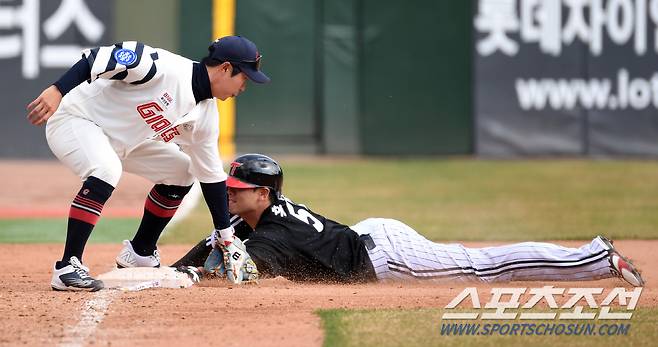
pixel 367 241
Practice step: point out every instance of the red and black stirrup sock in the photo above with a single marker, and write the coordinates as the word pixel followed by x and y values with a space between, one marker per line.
pixel 160 206
pixel 84 213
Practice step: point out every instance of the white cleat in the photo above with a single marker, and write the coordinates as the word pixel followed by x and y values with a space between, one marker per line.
pixel 74 277
pixel 129 258
pixel 621 266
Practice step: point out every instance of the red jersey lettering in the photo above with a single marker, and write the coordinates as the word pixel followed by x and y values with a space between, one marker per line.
pixel 161 125
pixel 169 134
pixel 153 119
pixel 157 121
pixel 145 109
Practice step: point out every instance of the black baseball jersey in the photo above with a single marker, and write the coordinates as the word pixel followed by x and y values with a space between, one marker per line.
pixel 294 242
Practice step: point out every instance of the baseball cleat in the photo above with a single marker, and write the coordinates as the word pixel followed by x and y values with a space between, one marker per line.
pixel 129 258
pixel 621 266
pixel 74 277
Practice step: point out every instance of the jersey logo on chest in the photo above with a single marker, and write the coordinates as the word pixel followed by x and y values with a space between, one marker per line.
pixel 166 99
pixel 150 113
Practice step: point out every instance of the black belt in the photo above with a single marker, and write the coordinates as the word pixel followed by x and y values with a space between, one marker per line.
pixel 367 241
pixel 367 274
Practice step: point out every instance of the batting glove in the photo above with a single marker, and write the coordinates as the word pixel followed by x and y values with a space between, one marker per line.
pixel 192 272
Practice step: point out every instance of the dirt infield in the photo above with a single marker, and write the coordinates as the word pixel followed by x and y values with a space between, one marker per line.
pixel 276 312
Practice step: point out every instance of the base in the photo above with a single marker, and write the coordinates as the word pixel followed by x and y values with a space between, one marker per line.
pixel 139 278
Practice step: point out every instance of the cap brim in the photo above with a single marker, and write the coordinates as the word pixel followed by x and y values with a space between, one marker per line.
pixel 236 183
pixel 255 75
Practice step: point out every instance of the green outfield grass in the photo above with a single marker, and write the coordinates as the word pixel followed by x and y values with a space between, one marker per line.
pixel 422 327
pixel 54 230
pixel 444 199
pixel 462 199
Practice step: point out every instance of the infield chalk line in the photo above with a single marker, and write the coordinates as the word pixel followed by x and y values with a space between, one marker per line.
pixel 93 312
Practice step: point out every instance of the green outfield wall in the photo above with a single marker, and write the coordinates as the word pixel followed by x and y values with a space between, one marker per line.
pixel 351 76
pixel 414 74
pixel 359 76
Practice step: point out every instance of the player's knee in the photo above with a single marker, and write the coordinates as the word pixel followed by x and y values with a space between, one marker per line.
pixel 178 171
pixel 107 173
pixel 183 179
pixel 172 192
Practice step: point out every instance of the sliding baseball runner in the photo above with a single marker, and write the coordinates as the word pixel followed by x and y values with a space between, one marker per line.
pixel 287 239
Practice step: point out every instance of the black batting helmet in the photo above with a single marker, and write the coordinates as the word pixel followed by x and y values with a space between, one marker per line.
pixel 256 170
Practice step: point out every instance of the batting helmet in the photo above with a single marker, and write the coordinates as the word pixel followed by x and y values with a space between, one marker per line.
pixel 256 170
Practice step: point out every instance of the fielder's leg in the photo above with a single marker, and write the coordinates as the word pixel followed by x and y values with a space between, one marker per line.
pixel 85 212
pixel 164 164
pixel 160 206
pixel 81 145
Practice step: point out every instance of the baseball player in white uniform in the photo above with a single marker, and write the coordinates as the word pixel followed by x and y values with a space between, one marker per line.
pixel 150 112
pixel 288 239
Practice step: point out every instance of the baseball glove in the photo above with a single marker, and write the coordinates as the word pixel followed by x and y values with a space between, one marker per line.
pixel 232 262
pixel 214 264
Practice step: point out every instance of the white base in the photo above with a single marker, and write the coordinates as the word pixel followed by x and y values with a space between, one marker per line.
pixel 139 278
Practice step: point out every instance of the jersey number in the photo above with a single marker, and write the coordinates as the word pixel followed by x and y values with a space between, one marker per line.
pixel 304 216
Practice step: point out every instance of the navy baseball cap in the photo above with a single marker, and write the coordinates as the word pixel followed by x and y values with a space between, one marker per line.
pixel 241 53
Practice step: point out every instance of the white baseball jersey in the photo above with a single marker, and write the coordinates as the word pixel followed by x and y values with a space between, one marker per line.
pixel 138 93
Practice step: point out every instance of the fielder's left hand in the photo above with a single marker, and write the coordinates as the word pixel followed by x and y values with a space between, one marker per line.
pixel 44 105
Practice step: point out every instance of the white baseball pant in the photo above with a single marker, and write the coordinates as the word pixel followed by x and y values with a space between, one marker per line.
pixel 400 253
pixel 84 148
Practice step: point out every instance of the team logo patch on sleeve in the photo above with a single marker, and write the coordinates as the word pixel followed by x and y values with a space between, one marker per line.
pixel 125 56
